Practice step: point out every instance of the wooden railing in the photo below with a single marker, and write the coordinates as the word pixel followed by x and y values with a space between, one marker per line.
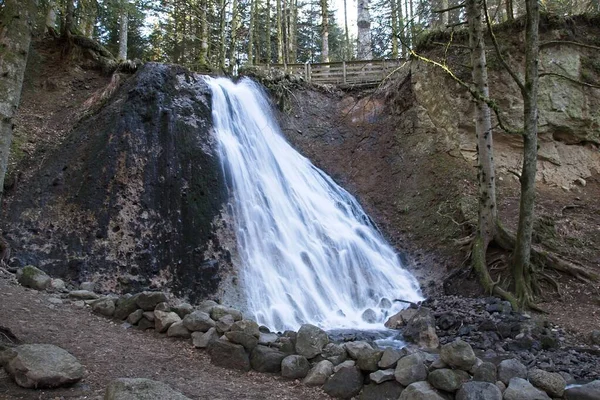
pixel 342 73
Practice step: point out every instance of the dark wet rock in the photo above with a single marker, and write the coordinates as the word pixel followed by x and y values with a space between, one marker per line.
pixel 125 306
pixel 398 320
pixel 198 321
pixel 310 340
pixel 202 339
pixel 508 369
pixel 420 329
pixel 148 301
pixel 382 375
pixel 140 389
pixel 420 391
pixel 550 382
pixel 479 391
pixel 369 316
pixel 458 354
pixel 335 353
pixel 345 383
pixel 520 389
pixel 390 357
pixel 266 359
pixel 589 391
pixel 228 355
pixel 248 341
pixel 319 373
pixel 486 372
pixel 410 369
pixel 34 278
pixel 448 380
pixel 384 391
pixel 224 323
pixel 247 326
pixel 267 339
pixel 294 367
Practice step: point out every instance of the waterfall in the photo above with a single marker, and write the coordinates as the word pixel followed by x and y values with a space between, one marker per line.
pixel 310 254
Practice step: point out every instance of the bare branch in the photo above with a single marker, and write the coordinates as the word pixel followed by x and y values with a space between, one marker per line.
pixel 461 5
pixel 568 78
pixel 561 42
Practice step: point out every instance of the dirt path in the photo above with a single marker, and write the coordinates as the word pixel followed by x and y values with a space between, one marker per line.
pixel 109 351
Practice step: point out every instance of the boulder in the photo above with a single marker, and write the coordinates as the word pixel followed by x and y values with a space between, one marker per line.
pixel 58 285
pixel 355 348
pixel 458 354
pixel 140 389
pixel 136 316
pixel 198 321
pixel 389 358
pixel 34 278
pixel 201 340
pixel 148 301
pixel 310 341
pixel 163 306
pixel 398 320
pixel 347 363
pixel 508 369
pixel 294 367
pixel 420 391
pixel 145 323
pixel 83 295
pixel 149 315
pixel 218 311
pixel 319 373
pixel 368 359
pixel 420 329
pixel 345 383
pixel 266 359
pixel 479 391
pixel 520 389
pixel 125 305
pixel 91 286
pixel 228 355
pixel 590 391
pixel 382 375
pixel 384 391
pixel 369 316
pixel 42 366
pixel 247 326
pixel 486 372
pixel 595 337
pixel 104 307
pixel 267 339
pixel 177 329
pixel 550 382
pixel 248 341
pixel 286 344
pixel 163 320
pixel 183 309
pixel 224 323
pixel 410 369
pixel 448 380
pixel 207 306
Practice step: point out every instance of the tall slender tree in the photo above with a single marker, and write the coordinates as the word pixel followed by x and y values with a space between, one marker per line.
pixel 279 33
pixel 324 31
pixel 363 21
pixel 123 29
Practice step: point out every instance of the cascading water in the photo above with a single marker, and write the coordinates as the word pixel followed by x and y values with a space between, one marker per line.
pixel 310 253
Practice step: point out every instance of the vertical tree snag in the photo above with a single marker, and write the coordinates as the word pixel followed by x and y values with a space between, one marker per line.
pixel 123 28
pixel 394 21
pixel 279 33
pixel 203 55
pixel 235 15
pixel 363 21
pixel 324 32
pixel 268 33
pixel 16 24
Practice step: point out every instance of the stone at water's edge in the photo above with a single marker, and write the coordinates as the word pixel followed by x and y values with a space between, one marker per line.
pixel 345 383
pixel 34 278
pixel 335 353
pixel 310 340
pixel 141 389
pixel 294 367
pixel 319 374
pixel 389 358
pixel 266 359
pixel 410 369
pixel 42 366
pixel 590 391
pixel 420 329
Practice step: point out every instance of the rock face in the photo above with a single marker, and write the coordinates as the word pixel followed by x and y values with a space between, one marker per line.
pixel 43 366
pixel 145 167
pixel 310 341
pixel 34 278
pixel 140 389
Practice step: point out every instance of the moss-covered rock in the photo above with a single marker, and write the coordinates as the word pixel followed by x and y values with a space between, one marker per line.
pixel 34 278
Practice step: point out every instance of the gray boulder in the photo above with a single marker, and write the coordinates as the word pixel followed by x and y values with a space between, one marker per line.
pixel 140 389
pixel 389 358
pixel 479 391
pixel 550 382
pixel 410 369
pixel 145 324
pixel 319 373
pixel 198 321
pixel 310 341
pixel 57 285
pixel 201 340
pixel 266 359
pixel 218 311
pixel 34 278
pixel 136 316
pixel 590 391
pixel 294 367
pixel 83 295
pixel 207 306
pixel 595 337
pixel 228 355
pixel 520 389
pixel 382 375
pixel 344 384
pixel 247 326
pixel 347 363
pixel 368 359
pixel 163 320
pixel 448 380
pixel 508 369
pixel 248 341
pixel 42 366
pixel 125 305
pixel 149 315
pixel 183 309
pixel 104 307
pixel 91 286
pixel 369 316
pixel 267 339
pixel 177 329
pixel 458 354
pixel 420 329
pixel 148 301
pixel 335 353
pixel 420 391
pixel 357 347
pixel 389 390
pixel 224 323
pixel 486 372
pixel 400 319
pixel 163 306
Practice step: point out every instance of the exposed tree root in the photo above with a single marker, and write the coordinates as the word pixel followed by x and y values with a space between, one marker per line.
pixel 101 55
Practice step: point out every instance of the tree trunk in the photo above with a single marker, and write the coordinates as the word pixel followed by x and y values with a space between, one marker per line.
pixel 521 260
pixel 347 54
pixel 203 55
pixel 279 33
pixel 16 25
pixel 51 17
pixel 123 28
pixel 510 15
pixel 394 16
pixel 363 21
pixel 251 33
pixel 444 15
pixel 268 29
pixel 234 28
pixel 69 15
pixel 222 24
pixel 293 29
pixel 324 32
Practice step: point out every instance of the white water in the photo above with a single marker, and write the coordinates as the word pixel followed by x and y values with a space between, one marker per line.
pixel 310 253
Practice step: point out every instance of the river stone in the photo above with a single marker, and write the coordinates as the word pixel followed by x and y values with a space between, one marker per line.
pixel 486 372
pixel 43 366
pixel 410 369
pixel 83 295
pixel 149 315
pixel 590 391
pixel 148 301
pixel 266 359
pixel 400 319
pixel 520 389
pixel 595 337
pixel 420 329
pixel 140 389
pixel 247 326
pixel 224 323
pixel 177 329
pixel 420 391
pixel 369 316
pixel 286 344
pixel 389 390
pixel 198 321
pixel 267 339
pixel 508 369
pixel 201 340
pixel 34 278
pixel 550 382
pixel 228 355
pixel 347 363
pixel 144 324
pixel 163 306
pixel 218 311
pixel 58 285
pixel 355 348
pixel 448 380
pixel 91 286
pixel 319 373
pixel 207 306
pixel 163 320
pixel 389 358
pixel 382 375
pixel 104 307
pixel 294 367
pixel 125 306
pixel 479 391
pixel 183 309
pixel 344 384
pixel 248 341
pixel 458 354
pixel 335 353
pixel 136 316
pixel 310 341
pixel 368 359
